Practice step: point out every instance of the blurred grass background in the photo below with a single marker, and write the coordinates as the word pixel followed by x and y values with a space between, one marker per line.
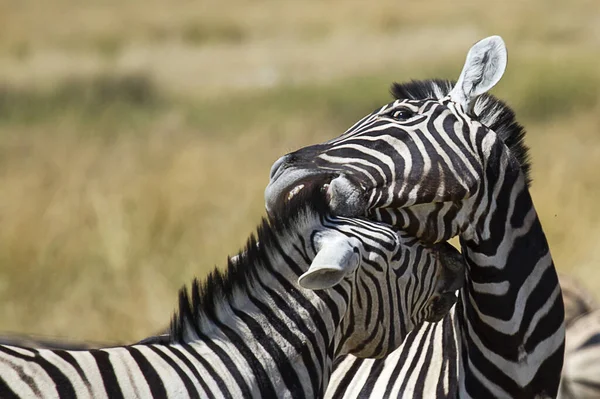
pixel 136 136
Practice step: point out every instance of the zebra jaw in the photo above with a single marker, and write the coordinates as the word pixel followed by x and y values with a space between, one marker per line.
pixel 295 191
pixel 451 280
pixel 344 197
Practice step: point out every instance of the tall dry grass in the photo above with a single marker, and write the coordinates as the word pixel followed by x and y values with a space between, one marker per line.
pixel 136 137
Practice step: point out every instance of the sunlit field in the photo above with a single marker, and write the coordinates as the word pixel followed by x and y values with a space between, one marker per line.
pixel 136 136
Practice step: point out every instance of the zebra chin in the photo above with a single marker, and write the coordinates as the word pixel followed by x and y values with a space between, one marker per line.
pixel 344 196
pixel 439 305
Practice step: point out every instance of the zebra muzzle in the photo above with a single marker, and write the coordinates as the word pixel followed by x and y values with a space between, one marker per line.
pixel 344 196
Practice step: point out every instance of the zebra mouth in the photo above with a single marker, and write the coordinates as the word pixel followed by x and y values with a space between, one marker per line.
pixel 294 191
pixel 343 197
pixel 290 185
pixel 298 188
pixel 343 194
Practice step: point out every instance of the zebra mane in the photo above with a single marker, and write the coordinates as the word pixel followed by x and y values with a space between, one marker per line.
pixel 488 109
pixel 200 305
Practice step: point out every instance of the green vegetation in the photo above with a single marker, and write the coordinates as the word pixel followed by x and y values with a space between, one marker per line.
pixel 197 33
pixel 87 99
pixel 136 137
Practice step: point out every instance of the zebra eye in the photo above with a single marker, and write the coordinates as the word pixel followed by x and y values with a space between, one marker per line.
pixel 401 114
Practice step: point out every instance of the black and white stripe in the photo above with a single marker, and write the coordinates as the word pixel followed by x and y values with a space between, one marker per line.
pixel 444 160
pixel 403 369
pixel 581 370
pixel 271 325
pixel 577 299
pixel 408 370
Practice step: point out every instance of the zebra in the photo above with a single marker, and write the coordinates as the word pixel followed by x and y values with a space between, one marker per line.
pixel 578 301
pixel 316 287
pixel 579 378
pixel 581 370
pixel 442 160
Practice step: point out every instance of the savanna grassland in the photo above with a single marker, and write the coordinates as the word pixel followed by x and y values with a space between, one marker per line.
pixel 136 136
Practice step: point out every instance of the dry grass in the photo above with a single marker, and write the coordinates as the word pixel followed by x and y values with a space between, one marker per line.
pixel 136 137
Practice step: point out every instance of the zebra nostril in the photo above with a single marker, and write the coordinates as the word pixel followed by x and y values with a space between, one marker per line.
pixel 277 165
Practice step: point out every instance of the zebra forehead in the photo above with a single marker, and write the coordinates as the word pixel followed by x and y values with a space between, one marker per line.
pixel 488 110
pixel 434 89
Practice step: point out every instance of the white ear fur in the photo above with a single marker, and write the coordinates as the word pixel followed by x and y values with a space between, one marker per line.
pixel 335 259
pixel 484 66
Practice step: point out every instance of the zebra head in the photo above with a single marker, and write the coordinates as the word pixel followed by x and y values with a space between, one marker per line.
pixel 388 281
pixel 414 162
pixel 392 292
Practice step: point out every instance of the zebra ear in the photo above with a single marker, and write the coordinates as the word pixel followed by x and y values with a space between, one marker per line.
pixel 336 258
pixel 485 65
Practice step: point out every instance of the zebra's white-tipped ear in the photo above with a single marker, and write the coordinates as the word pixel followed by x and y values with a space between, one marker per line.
pixel 485 65
pixel 337 257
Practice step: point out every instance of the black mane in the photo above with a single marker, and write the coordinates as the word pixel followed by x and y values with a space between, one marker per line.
pixel 489 110
pixel 221 284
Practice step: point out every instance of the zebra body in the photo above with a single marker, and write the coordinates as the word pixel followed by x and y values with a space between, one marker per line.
pixel 393 375
pixel 316 288
pixel 387 377
pixel 581 371
pixel 445 160
pixel 577 299
pixel 424 366
pixel 138 371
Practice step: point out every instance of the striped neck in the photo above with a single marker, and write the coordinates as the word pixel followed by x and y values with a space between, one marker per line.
pixel 283 335
pixel 513 333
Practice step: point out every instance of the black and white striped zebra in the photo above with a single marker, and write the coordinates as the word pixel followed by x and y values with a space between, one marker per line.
pixel 394 376
pixel 432 163
pixel 577 299
pixel 315 288
pixel 376 378
pixel 581 370
pixel 387 377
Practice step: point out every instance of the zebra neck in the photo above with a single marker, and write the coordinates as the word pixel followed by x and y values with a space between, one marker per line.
pixel 513 334
pixel 272 327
